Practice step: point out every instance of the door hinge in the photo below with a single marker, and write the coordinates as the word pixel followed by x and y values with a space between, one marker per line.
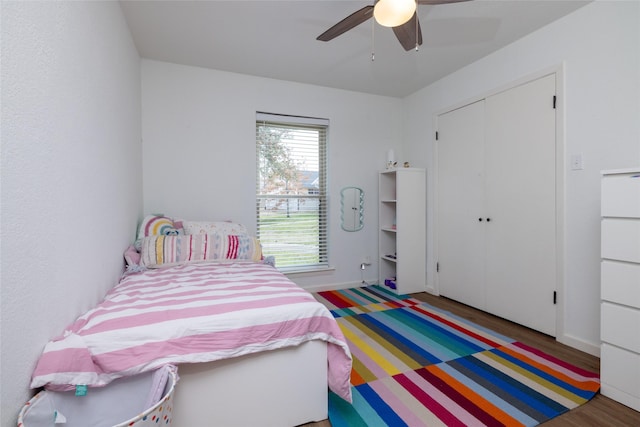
pixel 554 102
pixel 436 135
pixel 437 267
pixel 555 297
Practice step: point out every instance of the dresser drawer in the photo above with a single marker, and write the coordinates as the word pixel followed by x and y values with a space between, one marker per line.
pixel 621 239
pixel 620 326
pixel 621 195
pixel 620 283
pixel 620 375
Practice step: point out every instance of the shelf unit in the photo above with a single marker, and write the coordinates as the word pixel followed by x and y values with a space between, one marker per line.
pixel 402 228
pixel 620 287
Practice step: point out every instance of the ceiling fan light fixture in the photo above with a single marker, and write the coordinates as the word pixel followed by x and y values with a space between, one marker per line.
pixel 393 13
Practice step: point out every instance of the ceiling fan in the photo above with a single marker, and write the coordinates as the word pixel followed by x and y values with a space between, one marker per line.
pixel 401 15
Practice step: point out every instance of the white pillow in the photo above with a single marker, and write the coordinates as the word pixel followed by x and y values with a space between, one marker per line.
pixel 209 227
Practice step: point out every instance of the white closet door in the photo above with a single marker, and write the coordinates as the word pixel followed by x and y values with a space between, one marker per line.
pixel 461 251
pixel 520 197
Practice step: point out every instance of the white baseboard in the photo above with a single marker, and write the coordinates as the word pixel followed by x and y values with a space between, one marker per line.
pixel 432 290
pixel 579 344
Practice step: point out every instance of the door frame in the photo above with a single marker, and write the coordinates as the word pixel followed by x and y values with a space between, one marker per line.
pixel 560 170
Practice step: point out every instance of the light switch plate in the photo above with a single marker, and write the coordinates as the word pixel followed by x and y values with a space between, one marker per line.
pixel 576 162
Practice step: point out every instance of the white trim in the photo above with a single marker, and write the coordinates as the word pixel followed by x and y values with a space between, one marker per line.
pixel 502 88
pixel 337 286
pixel 288 119
pixel 435 288
pixel 561 217
pixel 579 344
pixel 619 171
pixel 308 269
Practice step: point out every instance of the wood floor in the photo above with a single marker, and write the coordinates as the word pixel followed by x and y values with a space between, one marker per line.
pixel 599 412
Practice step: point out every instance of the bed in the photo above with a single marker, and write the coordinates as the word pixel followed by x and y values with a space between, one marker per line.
pixel 252 348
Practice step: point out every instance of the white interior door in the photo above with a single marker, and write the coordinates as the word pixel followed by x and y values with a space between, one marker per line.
pixel 460 204
pixel 520 198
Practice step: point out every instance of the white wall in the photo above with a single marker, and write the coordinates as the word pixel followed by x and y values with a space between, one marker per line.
pixel 199 151
pixel 71 178
pixel 599 46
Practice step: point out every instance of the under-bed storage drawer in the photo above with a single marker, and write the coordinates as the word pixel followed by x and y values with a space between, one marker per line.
pixel 621 283
pixel 620 371
pixel 620 326
pixel 621 195
pixel 621 239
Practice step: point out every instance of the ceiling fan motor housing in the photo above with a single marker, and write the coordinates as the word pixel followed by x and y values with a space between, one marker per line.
pixel 392 13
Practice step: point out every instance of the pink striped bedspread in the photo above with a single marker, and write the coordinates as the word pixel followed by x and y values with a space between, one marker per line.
pixel 187 314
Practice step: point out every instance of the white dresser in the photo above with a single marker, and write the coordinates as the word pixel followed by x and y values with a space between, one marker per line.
pixel 620 286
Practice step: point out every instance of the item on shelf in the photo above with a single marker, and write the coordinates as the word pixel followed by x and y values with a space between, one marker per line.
pixel 391 159
pixel 406 165
pixel 390 282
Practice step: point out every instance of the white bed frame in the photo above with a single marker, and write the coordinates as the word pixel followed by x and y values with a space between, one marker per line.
pixel 279 388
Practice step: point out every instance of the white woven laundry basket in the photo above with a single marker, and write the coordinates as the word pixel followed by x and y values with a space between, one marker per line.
pixel 143 400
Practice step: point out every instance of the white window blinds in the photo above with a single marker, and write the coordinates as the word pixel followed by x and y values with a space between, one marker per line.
pixel 291 194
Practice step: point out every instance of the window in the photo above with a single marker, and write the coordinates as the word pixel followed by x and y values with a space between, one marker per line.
pixel 291 195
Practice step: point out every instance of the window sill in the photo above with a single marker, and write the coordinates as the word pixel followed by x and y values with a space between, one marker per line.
pixel 304 270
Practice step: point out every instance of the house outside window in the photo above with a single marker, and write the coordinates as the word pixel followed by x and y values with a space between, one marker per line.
pixel 291 195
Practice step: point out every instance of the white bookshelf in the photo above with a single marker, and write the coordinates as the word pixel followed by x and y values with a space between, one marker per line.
pixel 402 228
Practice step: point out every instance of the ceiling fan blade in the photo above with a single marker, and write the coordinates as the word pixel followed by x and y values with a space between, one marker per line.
pixel 351 21
pixel 407 32
pixel 436 2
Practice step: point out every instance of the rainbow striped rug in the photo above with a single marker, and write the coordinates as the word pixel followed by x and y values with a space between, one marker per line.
pixel 417 365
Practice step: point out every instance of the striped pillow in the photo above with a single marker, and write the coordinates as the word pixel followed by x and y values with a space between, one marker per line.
pixel 162 251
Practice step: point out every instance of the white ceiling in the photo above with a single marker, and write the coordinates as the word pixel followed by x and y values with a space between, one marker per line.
pixel 277 39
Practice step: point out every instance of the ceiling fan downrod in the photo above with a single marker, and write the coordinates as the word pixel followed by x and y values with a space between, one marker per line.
pixel 373 41
pixel 417 37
